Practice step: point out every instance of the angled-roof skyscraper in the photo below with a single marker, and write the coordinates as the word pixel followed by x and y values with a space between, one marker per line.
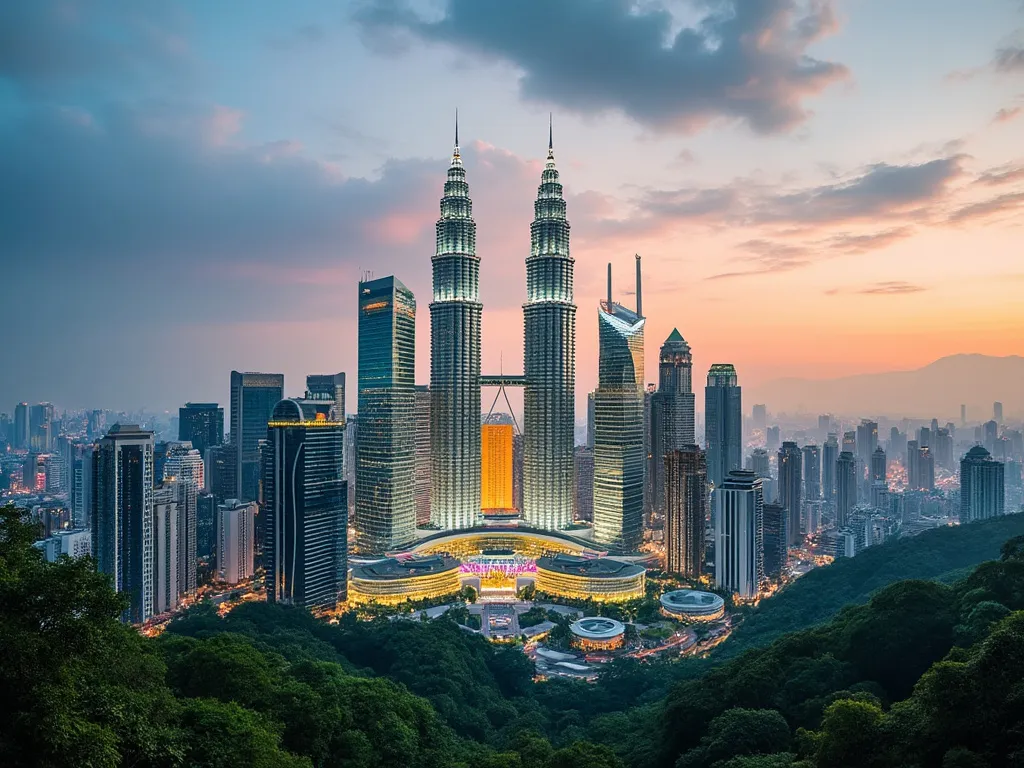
pixel 549 319
pixel 455 358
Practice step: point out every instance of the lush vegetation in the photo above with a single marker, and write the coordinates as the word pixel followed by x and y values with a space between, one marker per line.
pixel 922 674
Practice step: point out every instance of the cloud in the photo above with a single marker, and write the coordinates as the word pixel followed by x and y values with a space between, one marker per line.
pixel 1006 114
pixel 1003 174
pixel 745 60
pixel 986 209
pixel 1009 59
pixel 886 288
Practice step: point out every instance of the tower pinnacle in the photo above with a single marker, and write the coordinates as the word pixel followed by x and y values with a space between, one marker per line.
pixel 551 144
pixel 456 157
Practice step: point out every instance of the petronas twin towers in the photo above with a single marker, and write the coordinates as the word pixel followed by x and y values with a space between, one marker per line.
pixel 549 369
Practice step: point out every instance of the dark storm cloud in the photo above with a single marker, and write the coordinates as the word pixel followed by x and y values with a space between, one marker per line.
pixel 745 59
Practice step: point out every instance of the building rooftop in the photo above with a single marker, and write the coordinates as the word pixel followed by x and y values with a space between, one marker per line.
pixel 591 567
pixel 692 600
pixel 393 569
pixel 597 628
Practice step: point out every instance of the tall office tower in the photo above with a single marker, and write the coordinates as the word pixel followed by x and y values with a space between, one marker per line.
pixel 723 425
pixel 166 545
pixel 328 386
pixel 201 424
pixel 386 448
pixel 982 489
pixel 649 471
pixel 183 466
pixel 760 463
pixel 590 419
pixel 351 450
pixel 824 426
pixel 81 486
pixel 924 437
pixel 913 465
pixel 776 547
pixel 496 467
pixel 926 467
pixel 206 533
pixel 672 411
pixel 990 430
pixel 791 489
pixel 812 472
pixel 20 440
pixel 686 492
pixel 549 320
pixel 846 487
pixel 829 454
pixel 619 425
pixel 583 478
pixel 850 442
pixel 739 532
pixel 997 412
pixel 942 447
pixel 455 360
pixel 221 471
pixel 772 440
pixel 517 471
pixel 867 441
pixel 253 397
pixel 306 517
pixel 963 415
pixel 759 417
pixel 421 471
pixel 236 537
pixel 122 515
pixel 879 467
pixel 40 427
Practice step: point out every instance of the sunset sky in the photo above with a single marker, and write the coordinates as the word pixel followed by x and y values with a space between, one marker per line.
pixel 816 188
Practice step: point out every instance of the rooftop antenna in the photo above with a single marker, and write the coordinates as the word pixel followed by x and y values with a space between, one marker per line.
pixel 609 285
pixel 639 297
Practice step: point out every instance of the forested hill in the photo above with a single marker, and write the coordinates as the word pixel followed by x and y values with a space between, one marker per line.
pixel 821 594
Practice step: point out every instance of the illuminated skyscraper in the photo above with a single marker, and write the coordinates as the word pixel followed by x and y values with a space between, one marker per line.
pixel 846 487
pixel 583 477
pixel 829 456
pixel 549 319
pixel 982 490
pixel 184 474
pixel 776 546
pixel 40 427
pixel 455 359
pixel 672 411
pixel 122 516
pixel 422 470
pixel 496 467
pixel 739 534
pixel 686 481
pixel 619 424
pixel 253 397
pixel 791 489
pixel 306 516
pixel 328 386
pixel 201 424
pixel 386 444
pixel 723 422
pixel 236 536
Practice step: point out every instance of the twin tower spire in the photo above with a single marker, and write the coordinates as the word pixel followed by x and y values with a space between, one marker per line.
pixel 549 380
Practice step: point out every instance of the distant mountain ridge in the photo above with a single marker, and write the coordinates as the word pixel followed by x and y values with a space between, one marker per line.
pixel 934 391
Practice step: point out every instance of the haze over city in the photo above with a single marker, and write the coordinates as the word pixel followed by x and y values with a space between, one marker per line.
pixel 817 190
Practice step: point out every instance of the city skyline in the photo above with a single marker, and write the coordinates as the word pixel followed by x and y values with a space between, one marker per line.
pixel 724 197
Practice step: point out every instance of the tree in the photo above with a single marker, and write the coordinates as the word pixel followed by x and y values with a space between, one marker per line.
pixel 738 732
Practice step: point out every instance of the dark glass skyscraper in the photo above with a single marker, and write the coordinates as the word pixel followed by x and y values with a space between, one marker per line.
pixel 723 422
pixel 791 488
pixel 122 516
pixel 812 472
pixel 201 424
pixel 20 426
pixel 455 358
pixel 306 514
pixel 776 541
pixel 549 319
pixel 253 397
pixel 829 456
pixel 386 448
pixel 672 411
pixel 982 491
pixel 328 386
pixel 686 480
pixel 846 487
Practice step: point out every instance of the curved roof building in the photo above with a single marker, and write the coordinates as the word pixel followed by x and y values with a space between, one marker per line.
pixel 597 633
pixel 693 604
pixel 393 581
pixel 599 578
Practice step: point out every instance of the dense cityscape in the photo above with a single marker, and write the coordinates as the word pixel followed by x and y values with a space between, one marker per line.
pixel 715 459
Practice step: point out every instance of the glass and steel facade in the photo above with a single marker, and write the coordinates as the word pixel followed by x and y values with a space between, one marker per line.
pixel 422 468
pixel 306 515
pixel 791 488
pixel 455 359
pixel 739 534
pixel 686 487
pixel 253 397
pixel 982 490
pixel 723 422
pixel 619 429
pixel 386 448
pixel 328 386
pixel 201 424
pixel 549 320
pixel 672 412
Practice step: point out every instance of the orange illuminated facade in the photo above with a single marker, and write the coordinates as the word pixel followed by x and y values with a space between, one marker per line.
pixel 496 467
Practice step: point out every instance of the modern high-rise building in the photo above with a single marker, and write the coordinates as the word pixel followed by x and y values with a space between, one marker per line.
pixel 184 469
pixel 166 546
pixel 879 466
pixel 920 467
pixel 583 477
pixel 40 427
pixel 496 467
pixel 776 541
pixel 221 471
pixel 236 536
pixel 206 531
pixel 253 397
pixel 455 359
pixel 590 419
pixel 760 463
pixel 791 489
pixel 850 442
pixel 517 471
pixel 386 448
pixel 686 491
pixel 997 412
pixel 328 386
pixel 982 489
pixel 846 487
pixel 20 440
pixel 421 470
pixel 672 411
pixel 201 424
pixel 812 472
pixel 619 425
pixel 759 417
pixel 739 532
pixel 990 430
pixel 306 515
pixel 772 440
pixel 122 516
pixel 723 422
pixel 549 362
pixel 829 455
